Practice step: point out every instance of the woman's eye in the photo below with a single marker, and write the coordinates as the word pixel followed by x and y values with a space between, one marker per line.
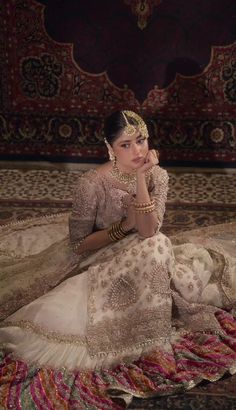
pixel 141 141
pixel 125 145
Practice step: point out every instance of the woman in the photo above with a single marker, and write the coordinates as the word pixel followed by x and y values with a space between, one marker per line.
pixel 127 315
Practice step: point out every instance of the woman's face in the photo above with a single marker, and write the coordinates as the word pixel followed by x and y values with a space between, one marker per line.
pixel 130 151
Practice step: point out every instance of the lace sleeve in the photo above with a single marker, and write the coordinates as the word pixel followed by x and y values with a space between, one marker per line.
pixel 82 218
pixel 158 192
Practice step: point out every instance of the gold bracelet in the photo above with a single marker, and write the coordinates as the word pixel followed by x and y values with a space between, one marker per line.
pixel 144 204
pixel 145 210
pixel 114 235
pixel 111 236
pixel 116 232
pixel 122 230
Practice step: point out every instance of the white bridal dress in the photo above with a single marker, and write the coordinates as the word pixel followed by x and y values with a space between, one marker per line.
pixel 140 317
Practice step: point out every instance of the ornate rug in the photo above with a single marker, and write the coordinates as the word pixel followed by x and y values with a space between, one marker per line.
pixel 195 199
pixel 60 77
pixel 220 395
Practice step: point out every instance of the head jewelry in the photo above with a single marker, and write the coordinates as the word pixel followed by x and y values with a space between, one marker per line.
pixel 132 129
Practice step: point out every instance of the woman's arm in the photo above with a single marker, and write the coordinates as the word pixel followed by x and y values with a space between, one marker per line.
pixel 99 239
pixel 83 219
pixel 147 224
pixel 95 240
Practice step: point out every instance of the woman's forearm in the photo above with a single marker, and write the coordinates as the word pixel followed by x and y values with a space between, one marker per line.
pixel 95 240
pixel 99 239
pixel 146 223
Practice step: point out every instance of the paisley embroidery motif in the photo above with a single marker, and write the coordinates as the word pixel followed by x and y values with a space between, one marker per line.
pixel 121 294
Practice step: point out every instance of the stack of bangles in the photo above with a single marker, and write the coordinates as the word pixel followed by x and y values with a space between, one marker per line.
pixel 144 207
pixel 117 232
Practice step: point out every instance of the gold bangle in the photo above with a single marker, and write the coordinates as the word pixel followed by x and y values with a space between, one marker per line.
pixel 111 236
pixel 145 208
pixel 144 204
pixel 145 211
pixel 116 232
pixel 122 230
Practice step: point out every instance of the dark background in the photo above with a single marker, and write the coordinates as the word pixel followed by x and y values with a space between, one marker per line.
pixel 66 64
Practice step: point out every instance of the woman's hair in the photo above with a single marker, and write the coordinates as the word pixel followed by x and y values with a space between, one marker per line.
pixel 114 125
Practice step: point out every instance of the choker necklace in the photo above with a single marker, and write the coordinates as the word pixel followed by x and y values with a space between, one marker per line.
pixel 128 179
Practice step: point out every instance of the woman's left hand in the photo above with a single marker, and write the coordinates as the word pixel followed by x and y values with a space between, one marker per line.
pixel 152 158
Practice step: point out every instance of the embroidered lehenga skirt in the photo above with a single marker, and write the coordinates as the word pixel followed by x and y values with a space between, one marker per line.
pixel 140 317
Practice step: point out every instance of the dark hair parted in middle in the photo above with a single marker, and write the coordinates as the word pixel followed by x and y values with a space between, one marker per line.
pixel 114 125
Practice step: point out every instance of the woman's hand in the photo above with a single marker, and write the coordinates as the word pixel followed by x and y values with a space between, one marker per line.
pixel 152 158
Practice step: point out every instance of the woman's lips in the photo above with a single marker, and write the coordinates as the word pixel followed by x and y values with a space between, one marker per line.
pixel 136 160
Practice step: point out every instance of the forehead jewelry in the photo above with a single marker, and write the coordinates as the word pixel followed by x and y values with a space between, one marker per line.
pixel 131 129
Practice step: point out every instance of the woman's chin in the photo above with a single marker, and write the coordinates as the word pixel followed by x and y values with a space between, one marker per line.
pixel 137 165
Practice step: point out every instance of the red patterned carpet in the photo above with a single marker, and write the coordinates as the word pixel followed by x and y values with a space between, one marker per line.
pixel 55 90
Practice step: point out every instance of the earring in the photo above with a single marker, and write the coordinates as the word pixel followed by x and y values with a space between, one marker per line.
pixel 110 152
pixel 111 155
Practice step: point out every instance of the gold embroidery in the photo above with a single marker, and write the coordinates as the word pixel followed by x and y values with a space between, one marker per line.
pixel 190 287
pixel 159 280
pixel 122 294
pixel 128 263
pixel 32 327
pixel 135 331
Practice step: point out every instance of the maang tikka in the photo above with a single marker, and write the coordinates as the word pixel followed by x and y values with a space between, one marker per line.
pixel 132 129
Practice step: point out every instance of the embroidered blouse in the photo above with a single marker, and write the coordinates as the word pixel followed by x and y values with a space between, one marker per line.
pixel 100 200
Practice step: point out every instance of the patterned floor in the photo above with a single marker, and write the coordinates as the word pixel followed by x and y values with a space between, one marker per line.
pixel 57 184
pixel 196 198
pixel 199 198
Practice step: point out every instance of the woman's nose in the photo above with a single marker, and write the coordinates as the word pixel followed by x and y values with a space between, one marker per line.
pixel 136 149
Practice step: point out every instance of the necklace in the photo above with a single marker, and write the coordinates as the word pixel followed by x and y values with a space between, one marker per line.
pixel 128 179
pixel 124 177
